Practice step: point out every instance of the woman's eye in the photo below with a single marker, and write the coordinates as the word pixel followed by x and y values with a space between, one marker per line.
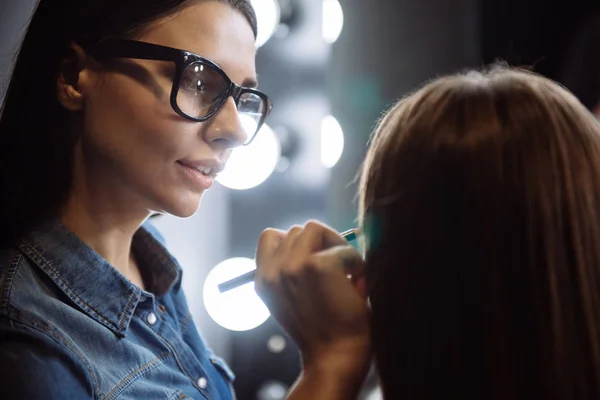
pixel 196 84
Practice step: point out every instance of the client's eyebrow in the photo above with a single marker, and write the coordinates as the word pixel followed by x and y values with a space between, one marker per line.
pixel 250 83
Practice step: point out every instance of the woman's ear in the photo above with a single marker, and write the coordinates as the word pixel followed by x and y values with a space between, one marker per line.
pixel 73 73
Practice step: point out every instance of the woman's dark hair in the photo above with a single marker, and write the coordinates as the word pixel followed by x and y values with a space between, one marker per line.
pixel 36 144
pixel 581 70
pixel 480 203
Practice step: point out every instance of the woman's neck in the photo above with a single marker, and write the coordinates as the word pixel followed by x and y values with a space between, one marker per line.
pixel 104 213
pixel 107 230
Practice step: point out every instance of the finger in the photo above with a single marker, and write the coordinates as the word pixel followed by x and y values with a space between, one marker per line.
pixel 268 242
pixel 290 240
pixel 316 237
pixel 360 284
pixel 344 259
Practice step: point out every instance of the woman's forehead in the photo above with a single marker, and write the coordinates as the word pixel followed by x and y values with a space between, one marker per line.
pixel 213 30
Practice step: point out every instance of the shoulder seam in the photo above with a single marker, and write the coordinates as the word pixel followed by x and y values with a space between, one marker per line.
pixel 9 274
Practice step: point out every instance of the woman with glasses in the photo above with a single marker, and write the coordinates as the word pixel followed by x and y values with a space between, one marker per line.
pixel 117 109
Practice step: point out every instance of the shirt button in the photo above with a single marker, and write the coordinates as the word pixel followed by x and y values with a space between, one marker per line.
pixel 202 382
pixel 151 318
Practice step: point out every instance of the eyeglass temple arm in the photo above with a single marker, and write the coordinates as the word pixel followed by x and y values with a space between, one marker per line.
pixel 134 49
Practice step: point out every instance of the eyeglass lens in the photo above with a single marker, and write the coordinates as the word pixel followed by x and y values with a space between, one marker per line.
pixel 201 89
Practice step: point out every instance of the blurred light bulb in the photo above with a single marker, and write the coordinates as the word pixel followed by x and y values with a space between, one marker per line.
pixel 375 394
pixel 251 165
pixel 272 390
pixel 332 141
pixel 333 20
pixel 239 309
pixel 268 15
pixel 276 344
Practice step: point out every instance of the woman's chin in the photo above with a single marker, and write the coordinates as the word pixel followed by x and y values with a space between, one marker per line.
pixel 183 207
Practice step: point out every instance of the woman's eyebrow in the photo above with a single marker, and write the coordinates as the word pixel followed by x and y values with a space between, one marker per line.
pixel 250 83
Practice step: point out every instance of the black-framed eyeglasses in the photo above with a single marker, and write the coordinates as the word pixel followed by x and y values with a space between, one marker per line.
pixel 200 86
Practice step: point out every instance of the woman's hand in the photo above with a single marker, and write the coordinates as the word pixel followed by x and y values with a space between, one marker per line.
pixel 302 277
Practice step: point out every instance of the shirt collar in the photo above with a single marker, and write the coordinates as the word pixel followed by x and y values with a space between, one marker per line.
pixel 90 281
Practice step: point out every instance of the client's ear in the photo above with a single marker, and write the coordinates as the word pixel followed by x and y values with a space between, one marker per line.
pixel 73 77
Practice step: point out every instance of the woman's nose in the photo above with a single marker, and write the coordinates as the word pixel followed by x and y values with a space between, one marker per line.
pixel 225 127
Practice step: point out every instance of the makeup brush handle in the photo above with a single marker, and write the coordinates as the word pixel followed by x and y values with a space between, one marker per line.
pixel 248 277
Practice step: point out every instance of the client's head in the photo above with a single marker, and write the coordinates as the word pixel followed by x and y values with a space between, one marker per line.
pixel 480 201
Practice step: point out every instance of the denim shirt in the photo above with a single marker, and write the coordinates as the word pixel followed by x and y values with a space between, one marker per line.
pixel 73 327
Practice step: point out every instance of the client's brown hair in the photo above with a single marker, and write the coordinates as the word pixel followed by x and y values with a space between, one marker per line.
pixel 480 200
